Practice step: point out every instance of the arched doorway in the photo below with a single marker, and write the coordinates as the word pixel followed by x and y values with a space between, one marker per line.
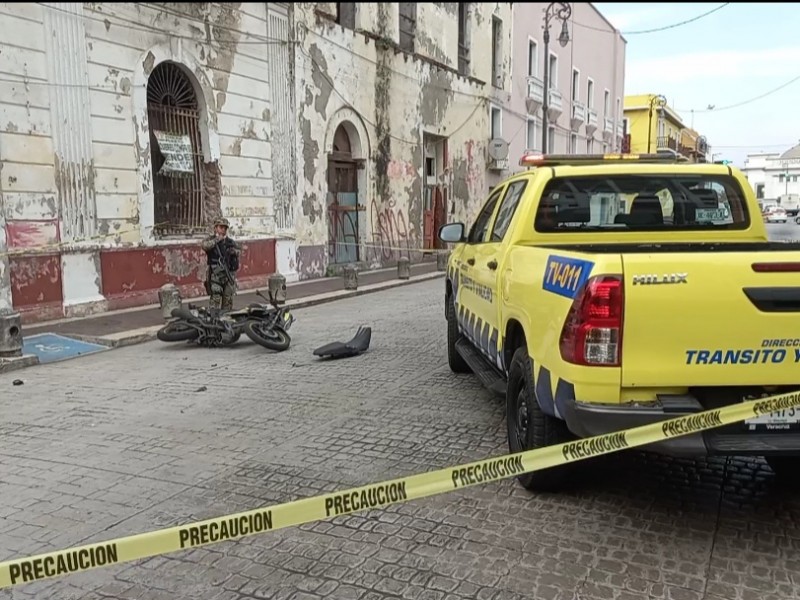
pixel 343 208
pixel 176 152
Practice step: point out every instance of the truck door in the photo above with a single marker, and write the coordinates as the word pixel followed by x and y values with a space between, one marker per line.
pixel 487 269
pixel 472 301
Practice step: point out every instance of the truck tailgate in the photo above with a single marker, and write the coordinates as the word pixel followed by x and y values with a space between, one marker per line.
pixel 708 319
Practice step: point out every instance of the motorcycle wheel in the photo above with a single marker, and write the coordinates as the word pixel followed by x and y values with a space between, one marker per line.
pixel 273 338
pixel 177 332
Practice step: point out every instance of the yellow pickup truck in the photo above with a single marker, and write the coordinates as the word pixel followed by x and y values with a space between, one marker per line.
pixel 598 293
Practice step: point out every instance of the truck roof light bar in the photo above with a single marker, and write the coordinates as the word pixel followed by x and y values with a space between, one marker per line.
pixel 537 159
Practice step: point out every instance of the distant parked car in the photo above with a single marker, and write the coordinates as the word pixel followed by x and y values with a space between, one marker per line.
pixel 776 215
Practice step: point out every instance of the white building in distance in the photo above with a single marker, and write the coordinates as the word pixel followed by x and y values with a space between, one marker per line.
pixel 775 177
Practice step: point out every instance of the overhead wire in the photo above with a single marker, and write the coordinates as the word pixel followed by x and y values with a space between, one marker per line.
pixel 248 58
pixel 348 103
pixel 744 102
pixel 656 29
pixel 136 25
pixel 751 146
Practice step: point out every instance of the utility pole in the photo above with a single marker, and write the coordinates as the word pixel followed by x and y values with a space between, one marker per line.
pixel 662 102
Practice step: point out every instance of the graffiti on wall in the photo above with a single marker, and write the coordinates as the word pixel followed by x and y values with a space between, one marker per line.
pixel 391 235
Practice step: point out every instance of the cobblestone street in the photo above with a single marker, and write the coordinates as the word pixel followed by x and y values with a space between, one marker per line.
pixel 154 435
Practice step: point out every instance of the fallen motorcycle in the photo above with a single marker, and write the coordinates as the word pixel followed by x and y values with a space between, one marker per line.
pixel 265 324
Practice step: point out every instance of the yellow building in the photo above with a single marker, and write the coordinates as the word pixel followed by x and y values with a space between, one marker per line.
pixel 651 126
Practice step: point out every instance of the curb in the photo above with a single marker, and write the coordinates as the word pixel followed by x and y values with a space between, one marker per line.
pixel 146 334
pixel 18 362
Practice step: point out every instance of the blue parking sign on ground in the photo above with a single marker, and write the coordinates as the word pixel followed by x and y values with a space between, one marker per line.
pixel 51 347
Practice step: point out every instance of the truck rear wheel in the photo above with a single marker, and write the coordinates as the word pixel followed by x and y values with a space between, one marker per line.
pixel 529 428
pixel 455 360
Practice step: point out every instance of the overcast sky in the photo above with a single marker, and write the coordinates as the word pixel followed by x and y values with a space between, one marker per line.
pixel 734 55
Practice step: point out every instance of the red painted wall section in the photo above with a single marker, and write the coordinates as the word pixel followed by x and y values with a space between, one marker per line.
pixel 36 287
pixel 32 234
pixel 132 277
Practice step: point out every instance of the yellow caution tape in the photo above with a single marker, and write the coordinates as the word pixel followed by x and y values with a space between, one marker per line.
pixel 378 495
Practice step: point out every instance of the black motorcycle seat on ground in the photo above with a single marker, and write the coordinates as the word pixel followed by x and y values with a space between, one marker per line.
pixel 354 347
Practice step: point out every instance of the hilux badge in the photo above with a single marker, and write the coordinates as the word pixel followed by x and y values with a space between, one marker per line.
pixel 667 278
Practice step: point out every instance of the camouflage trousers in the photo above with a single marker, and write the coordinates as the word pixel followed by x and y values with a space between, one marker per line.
pixel 220 289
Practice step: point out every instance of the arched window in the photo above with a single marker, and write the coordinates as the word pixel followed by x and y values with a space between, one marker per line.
pixel 341 142
pixel 176 152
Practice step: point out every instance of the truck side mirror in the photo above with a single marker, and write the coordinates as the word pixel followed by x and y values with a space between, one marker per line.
pixel 452 233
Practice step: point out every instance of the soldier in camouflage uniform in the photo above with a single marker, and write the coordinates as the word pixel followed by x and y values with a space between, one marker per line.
pixel 223 262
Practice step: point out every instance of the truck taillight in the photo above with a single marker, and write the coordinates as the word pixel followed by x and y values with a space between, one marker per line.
pixel 592 333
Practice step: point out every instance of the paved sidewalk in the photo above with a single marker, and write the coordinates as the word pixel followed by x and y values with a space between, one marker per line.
pixel 116 322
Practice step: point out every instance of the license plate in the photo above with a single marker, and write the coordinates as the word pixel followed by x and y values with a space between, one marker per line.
pixel 781 420
pixel 712 214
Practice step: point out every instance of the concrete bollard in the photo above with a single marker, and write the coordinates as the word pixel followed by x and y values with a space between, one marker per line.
pixel 277 287
pixel 403 268
pixel 350 275
pixel 169 297
pixel 10 333
pixel 441 261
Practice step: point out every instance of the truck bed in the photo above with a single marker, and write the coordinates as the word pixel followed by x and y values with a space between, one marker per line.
pixel 677 247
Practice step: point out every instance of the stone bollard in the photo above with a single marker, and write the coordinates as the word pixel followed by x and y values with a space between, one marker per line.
pixel 441 261
pixel 350 275
pixel 10 333
pixel 169 297
pixel 403 268
pixel 277 287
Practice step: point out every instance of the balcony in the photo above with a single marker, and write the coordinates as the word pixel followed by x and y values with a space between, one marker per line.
pixel 620 129
pixel 625 147
pixel 555 105
pixel 535 97
pixel 608 129
pixel 591 121
pixel 664 142
pixel 694 152
pixel 578 117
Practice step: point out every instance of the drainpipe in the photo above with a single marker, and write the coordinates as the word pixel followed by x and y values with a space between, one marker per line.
pixel 614 84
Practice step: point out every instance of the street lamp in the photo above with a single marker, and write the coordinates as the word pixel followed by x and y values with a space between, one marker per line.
pixel 662 102
pixel 563 11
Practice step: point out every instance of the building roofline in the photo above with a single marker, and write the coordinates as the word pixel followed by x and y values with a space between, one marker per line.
pixel 609 23
pixel 667 108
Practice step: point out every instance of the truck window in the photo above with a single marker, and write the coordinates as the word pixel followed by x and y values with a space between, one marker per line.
pixel 642 202
pixel 507 209
pixel 478 232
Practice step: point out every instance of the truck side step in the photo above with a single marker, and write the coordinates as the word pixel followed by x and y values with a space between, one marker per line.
pixel 488 375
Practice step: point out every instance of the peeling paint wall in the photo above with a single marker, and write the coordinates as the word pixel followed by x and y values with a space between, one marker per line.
pixel 76 178
pixel 388 100
pixel 221 46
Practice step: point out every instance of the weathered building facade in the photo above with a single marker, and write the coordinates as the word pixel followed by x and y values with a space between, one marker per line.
pixel 394 104
pixel 125 128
